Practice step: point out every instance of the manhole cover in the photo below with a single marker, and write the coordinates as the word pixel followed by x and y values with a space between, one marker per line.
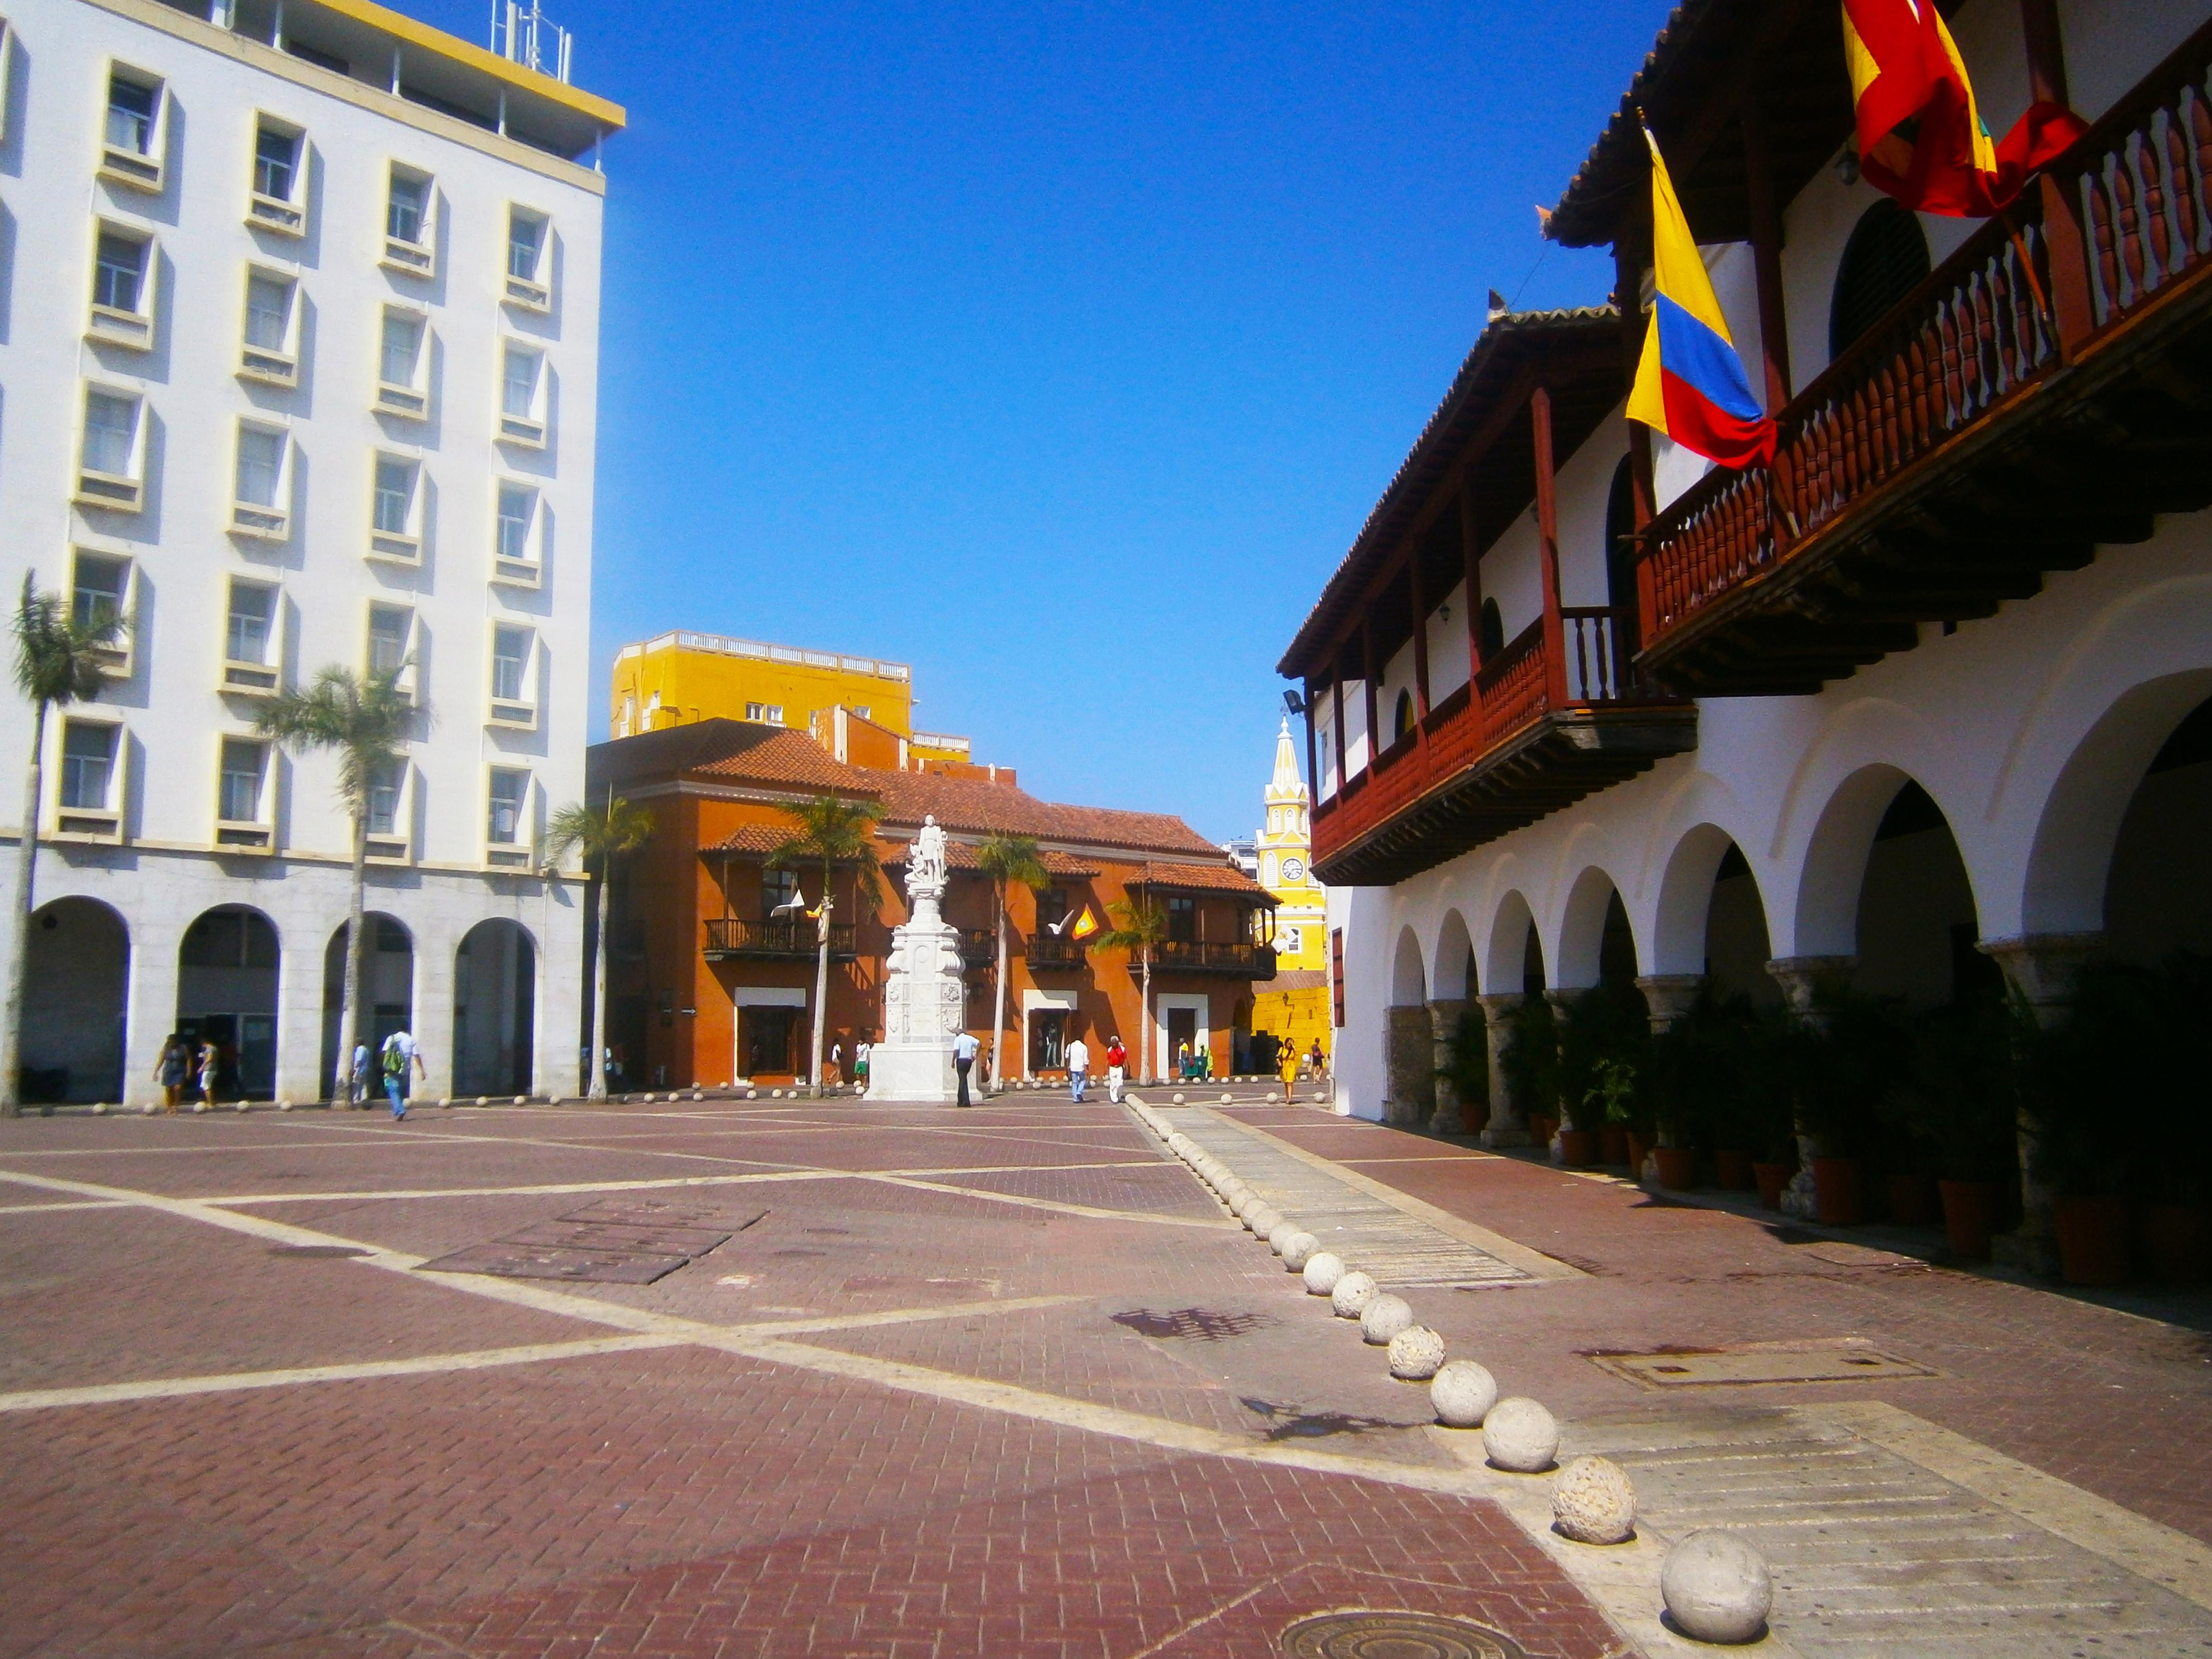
pixel 633 1242
pixel 1364 1635
pixel 316 1251
pixel 1765 1362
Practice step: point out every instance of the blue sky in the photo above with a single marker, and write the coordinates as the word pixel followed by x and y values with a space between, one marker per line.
pixel 1059 349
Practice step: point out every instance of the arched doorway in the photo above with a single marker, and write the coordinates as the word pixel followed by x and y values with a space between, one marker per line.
pixel 2158 892
pixel 1737 945
pixel 73 1003
pixel 226 995
pixel 495 1010
pixel 1917 925
pixel 1409 1058
pixel 387 988
pixel 1885 259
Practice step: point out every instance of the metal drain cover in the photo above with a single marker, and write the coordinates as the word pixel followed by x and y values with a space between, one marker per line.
pixel 1761 1361
pixel 1365 1635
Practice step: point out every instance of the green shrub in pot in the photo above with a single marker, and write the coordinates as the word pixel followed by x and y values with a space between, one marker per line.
pixel 1954 1113
pixel 1849 1059
pixel 1467 1066
pixel 1530 1059
pixel 1603 1031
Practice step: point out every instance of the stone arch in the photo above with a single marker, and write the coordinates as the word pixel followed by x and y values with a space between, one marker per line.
pixel 227 977
pixel 388 976
pixel 1408 979
pixel 1835 867
pixel 494 1009
pixel 1505 959
pixel 2069 860
pixel 75 992
pixel 1454 976
pixel 1594 907
pixel 1686 893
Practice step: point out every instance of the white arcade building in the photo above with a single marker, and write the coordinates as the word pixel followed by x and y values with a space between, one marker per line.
pixel 299 356
pixel 1926 700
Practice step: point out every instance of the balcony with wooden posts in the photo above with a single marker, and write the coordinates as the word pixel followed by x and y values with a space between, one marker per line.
pixel 1218 958
pixel 729 940
pixel 1544 719
pixel 1047 954
pixel 2045 391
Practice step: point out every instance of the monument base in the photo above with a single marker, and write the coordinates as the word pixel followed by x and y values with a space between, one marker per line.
pixel 919 1071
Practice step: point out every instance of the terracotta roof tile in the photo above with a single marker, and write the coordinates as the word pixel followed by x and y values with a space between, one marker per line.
pixel 970 806
pixel 736 749
pixel 1223 877
pixel 960 855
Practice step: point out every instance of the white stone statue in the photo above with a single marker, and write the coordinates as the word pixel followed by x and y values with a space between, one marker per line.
pixel 924 996
pixel 926 865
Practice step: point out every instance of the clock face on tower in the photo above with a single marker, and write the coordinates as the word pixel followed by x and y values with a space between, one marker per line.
pixel 1294 869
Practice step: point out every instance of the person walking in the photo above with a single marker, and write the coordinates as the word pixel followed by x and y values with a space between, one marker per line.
pixel 860 1065
pixel 1079 1069
pixel 1290 1068
pixel 359 1096
pixel 965 1048
pixel 210 1065
pixel 1117 1067
pixel 400 1054
pixel 834 1068
pixel 171 1069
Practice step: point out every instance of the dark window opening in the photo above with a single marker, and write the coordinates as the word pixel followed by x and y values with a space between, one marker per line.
pixel 1493 629
pixel 1884 260
pixel 1183 919
pixel 1402 720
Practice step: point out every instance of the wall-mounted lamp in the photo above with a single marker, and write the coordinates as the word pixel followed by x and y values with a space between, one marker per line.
pixel 1847 166
pixel 1444 612
pixel 1292 701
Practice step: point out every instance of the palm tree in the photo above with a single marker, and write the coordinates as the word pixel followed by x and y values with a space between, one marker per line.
pixel 603 837
pixel 1139 925
pixel 1005 860
pixel 362 719
pixel 58 662
pixel 836 832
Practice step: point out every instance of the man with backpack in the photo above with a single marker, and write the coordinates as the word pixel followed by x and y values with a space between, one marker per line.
pixel 399 1055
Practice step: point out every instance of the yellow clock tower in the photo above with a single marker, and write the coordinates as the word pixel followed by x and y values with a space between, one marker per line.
pixel 1294 1005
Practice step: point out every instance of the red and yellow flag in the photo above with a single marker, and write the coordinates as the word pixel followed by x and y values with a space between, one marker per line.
pixel 1922 138
pixel 1086 925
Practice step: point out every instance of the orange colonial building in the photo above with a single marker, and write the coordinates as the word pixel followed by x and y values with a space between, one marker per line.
pixel 706 986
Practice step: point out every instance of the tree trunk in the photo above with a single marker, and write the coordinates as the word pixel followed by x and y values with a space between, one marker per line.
pixel 19 947
pixel 998 999
pixel 349 1008
pixel 1144 1018
pixel 595 1085
pixel 822 982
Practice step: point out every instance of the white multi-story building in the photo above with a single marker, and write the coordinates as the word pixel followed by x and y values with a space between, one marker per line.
pixel 1929 699
pixel 298 340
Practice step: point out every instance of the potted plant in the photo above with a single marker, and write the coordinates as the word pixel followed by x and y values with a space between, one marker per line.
pixel 2173 1219
pixel 1955 1111
pixel 1530 1061
pixel 2102 1058
pixel 1854 1051
pixel 1468 1068
pixel 1601 1034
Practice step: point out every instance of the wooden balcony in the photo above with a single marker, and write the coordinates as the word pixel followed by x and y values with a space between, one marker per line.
pixel 1552 718
pixel 1046 954
pixel 979 947
pixel 1225 959
pixel 731 940
pixel 2045 392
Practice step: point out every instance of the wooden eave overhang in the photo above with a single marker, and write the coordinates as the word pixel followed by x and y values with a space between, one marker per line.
pixel 1478 437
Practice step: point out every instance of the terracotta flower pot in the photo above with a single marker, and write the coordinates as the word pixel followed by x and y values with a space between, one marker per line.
pixel 1577 1147
pixel 1839 1199
pixel 1541 1129
pixel 1639 1148
pixel 1770 1179
pixel 1912 1202
pixel 1677 1167
pixel 2093 1240
pixel 1735 1170
pixel 2176 1239
pixel 1613 1144
pixel 1969 1213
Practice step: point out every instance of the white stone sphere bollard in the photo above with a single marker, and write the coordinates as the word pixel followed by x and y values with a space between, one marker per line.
pixel 100 1108
pixel 753 1094
pixel 1462 1393
pixel 147 1110
pixel 1351 1295
pixel 1262 1218
pixel 1238 1195
pixel 1322 1271
pixel 284 1105
pixel 1273 1097
pixel 1519 1435
pixel 199 1106
pixel 1594 1503
pixel 1280 1234
pixel 1716 1587
pixel 524 1100
pixel 1226 1098
pixel 1176 1099
pixel 1416 1353
pixel 1298 1250
pixel 1382 1318
pixel 242 1106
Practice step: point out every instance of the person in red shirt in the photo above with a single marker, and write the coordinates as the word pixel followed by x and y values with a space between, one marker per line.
pixel 1117 1069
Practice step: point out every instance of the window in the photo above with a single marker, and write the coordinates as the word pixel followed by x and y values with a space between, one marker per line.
pixel 262 504
pixel 1182 918
pixel 529 274
pixel 271 350
pixel 134 137
pixel 109 458
pixel 778 888
pixel 764 714
pixel 1491 634
pixel 122 287
pixel 1884 260
pixel 100 591
pixel 395 530
pixel 522 395
pixel 250 640
pixel 277 202
pixel 240 792
pixel 387 779
pixel 514 677
pixel 401 387
pixel 509 793
pixel 410 231
pixel 87 765
pixel 517 549
pixel 1402 717
pixel 390 631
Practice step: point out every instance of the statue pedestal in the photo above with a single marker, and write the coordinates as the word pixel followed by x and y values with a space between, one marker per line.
pixel 924 996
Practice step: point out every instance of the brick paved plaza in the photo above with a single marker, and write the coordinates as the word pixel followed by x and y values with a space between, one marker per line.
pixel 1000 1382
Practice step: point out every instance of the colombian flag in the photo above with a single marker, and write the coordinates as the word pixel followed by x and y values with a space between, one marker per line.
pixel 1905 67
pixel 1691 384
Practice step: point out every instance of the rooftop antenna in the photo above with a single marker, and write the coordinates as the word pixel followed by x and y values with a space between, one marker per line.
pixel 524 34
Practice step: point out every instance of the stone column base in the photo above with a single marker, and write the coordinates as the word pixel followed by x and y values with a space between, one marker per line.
pixel 2035 1253
pixel 1505 1134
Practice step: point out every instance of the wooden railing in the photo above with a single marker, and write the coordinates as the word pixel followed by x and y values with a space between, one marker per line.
pixel 1205 957
pixel 2017 299
pixel 1047 954
pixel 1512 687
pixel 728 937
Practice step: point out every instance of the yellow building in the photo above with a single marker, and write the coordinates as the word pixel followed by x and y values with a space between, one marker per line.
pixel 1295 1005
pixel 683 677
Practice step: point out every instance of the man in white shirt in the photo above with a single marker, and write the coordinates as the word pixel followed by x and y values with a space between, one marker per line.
pixel 400 1056
pixel 963 1061
pixel 1079 1068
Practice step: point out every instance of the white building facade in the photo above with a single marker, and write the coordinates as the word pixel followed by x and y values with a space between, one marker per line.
pixel 298 361
pixel 1560 733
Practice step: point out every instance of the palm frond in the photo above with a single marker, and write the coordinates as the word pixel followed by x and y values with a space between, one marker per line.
pixel 1006 860
pixel 59 659
pixel 828 830
pixel 1139 926
pixel 362 718
pixel 600 833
